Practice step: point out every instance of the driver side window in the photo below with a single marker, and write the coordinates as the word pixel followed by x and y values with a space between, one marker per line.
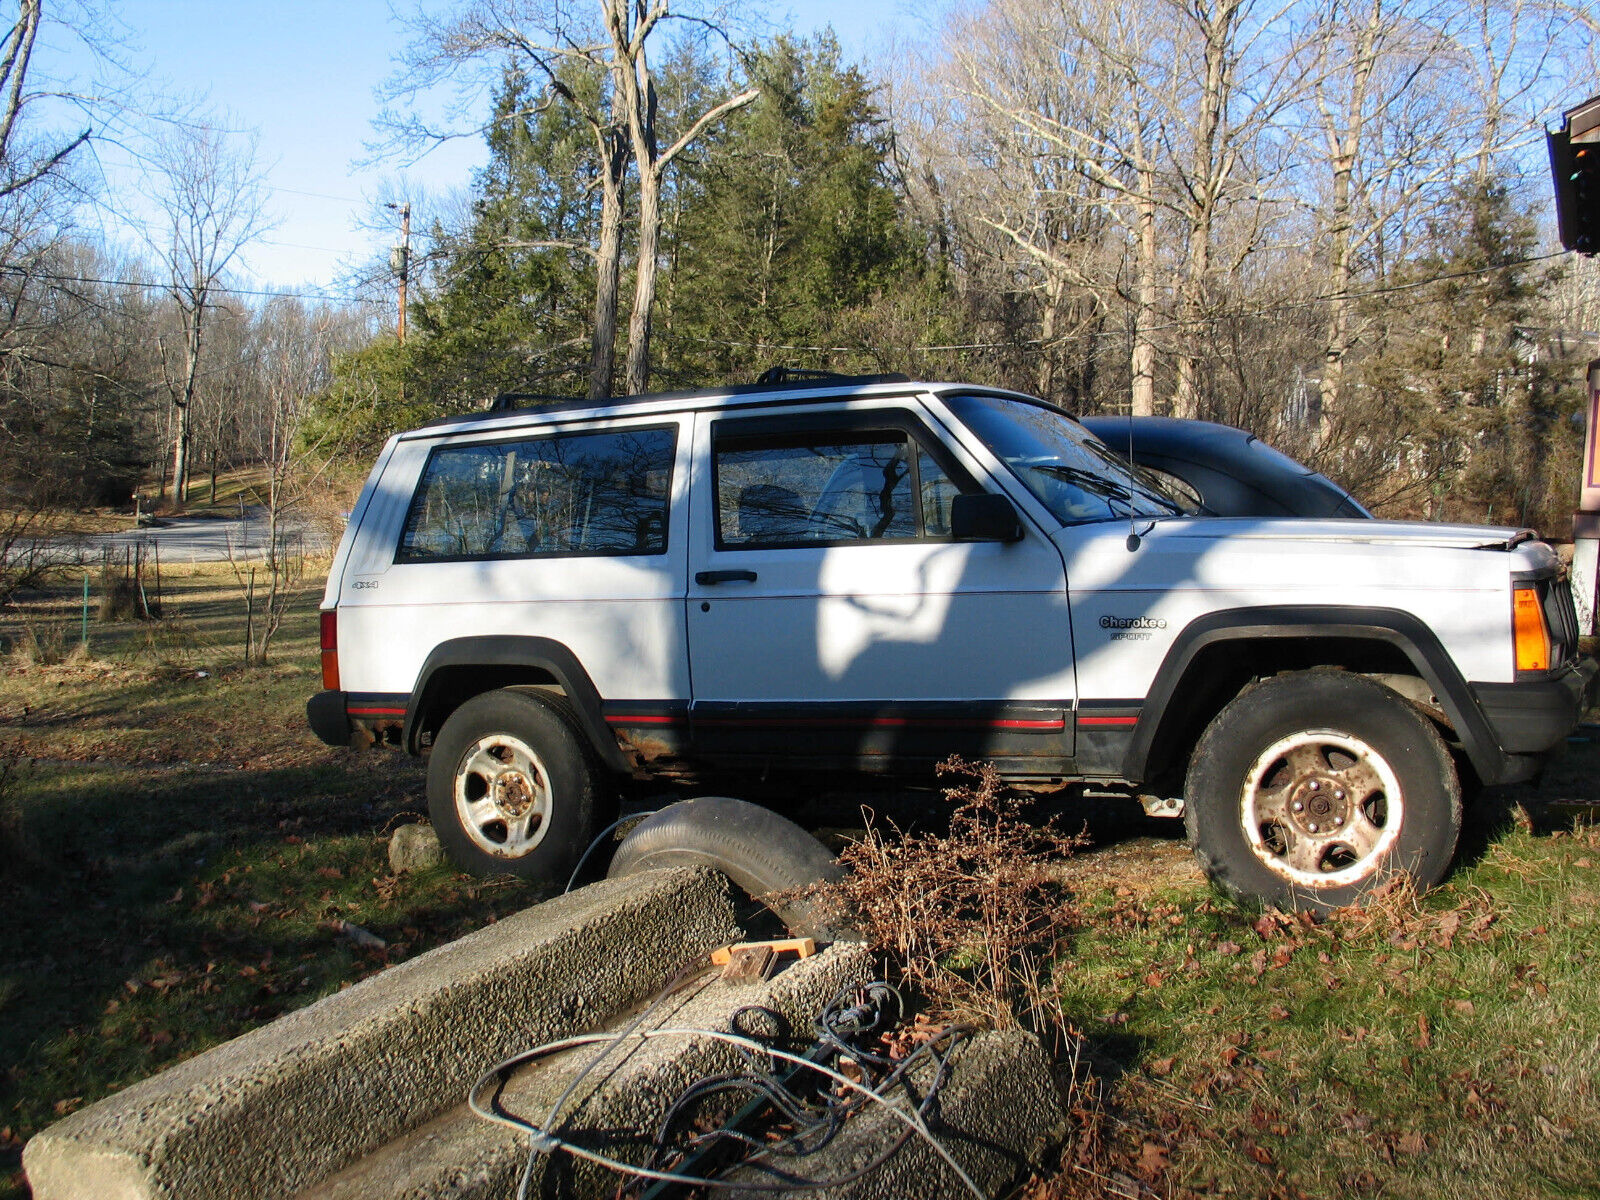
pixel 828 488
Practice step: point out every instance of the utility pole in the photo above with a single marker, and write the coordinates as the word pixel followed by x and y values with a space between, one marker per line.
pixel 400 262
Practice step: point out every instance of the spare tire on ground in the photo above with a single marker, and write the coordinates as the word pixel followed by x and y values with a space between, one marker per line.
pixel 753 846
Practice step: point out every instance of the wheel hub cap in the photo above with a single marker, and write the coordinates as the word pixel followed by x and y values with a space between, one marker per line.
pixel 1321 808
pixel 502 796
pixel 513 795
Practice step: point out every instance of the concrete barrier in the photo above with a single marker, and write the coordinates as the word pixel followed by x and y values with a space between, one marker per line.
pixel 280 1109
pixel 362 1094
pixel 616 1107
pixel 997 1114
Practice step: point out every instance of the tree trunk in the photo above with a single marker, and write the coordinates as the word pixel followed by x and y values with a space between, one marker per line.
pixel 1337 335
pixel 608 264
pixel 180 458
pixel 1344 142
pixel 1143 362
pixel 193 341
pixel 644 286
pixel 1205 193
pixel 1054 288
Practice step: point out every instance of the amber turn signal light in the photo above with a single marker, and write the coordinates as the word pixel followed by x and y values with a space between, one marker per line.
pixel 1531 637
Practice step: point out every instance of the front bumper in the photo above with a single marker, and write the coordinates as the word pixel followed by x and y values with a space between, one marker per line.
pixel 1532 716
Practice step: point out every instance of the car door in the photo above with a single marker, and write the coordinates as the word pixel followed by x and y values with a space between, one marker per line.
pixel 834 620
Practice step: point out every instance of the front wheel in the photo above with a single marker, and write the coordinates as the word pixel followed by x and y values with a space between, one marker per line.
pixel 511 787
pixel 1311 788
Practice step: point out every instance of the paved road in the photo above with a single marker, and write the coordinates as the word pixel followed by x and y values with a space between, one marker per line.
pixel 211 539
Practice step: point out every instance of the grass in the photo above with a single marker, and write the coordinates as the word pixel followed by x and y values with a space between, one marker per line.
pixel 1438 1046
pixel 178 850
pixel 176 854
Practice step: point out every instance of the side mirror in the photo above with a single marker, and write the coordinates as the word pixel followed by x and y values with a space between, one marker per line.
pixel 985 517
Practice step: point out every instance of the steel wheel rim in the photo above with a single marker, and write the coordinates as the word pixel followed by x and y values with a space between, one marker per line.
pixel 502 796
pixel 1321 808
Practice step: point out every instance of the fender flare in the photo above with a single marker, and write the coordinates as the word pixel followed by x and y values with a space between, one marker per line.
pixel 509 650
pixel 1392 626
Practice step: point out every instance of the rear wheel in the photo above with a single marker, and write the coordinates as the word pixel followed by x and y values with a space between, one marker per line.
pixel 512 787
pixel 1310 789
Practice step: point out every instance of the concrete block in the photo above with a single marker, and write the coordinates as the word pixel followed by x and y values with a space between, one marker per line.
pixel 616 1108
pixel 275 1111
pixel 997 1114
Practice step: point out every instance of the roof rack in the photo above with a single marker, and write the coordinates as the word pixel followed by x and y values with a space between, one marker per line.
pixel 791 380
pixel 782 374
pixel 506 401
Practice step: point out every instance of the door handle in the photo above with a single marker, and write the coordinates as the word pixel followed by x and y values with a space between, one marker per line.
pixel 724 576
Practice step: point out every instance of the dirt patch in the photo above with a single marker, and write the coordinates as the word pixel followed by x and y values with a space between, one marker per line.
pixel 1140 866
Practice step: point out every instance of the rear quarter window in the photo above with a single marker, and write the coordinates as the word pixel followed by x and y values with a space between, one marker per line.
pixel 596 493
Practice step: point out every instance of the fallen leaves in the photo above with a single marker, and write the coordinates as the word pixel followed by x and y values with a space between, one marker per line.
pixel 1412 1143
pixel 1258 1152
pixel 1154 1158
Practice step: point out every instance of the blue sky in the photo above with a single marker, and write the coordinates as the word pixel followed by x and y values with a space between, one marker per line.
pixel 302 73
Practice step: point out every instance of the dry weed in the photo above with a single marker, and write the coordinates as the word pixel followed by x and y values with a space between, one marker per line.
pixel 41 645
pixel 975 917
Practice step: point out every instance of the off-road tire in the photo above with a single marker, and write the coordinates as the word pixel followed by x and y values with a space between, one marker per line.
pixel 1310 789
pixel 513 787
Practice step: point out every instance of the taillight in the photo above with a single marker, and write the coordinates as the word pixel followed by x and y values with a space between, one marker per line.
pixel 330 650
pixel 1529 632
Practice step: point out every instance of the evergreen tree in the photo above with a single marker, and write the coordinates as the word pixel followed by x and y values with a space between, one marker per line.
pixel 789 224
pixel 510 308
pixel 1462 410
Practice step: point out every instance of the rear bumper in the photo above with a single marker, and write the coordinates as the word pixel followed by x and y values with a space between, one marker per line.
pixel 326 715
pixel 1531 717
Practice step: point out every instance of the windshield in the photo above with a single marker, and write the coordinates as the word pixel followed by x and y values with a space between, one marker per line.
pixel 1071 472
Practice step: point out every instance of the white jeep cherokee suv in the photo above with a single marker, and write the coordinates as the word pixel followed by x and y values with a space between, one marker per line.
pixel 868 574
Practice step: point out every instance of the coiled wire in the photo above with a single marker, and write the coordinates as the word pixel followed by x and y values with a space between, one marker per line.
pixel 854 1013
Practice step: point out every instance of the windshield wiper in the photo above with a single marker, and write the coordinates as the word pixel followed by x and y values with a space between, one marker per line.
pixel 1101 486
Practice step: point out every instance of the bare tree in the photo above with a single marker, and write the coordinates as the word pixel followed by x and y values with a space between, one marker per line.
pixel 619 109
pixel 1234 79
pixel 1386 135
pixel 629 23
pixel 24 162
pixel 209 189
pixel 294 348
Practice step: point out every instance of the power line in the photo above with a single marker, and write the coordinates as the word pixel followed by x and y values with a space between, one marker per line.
pixel 1270 310
pixel 1165 326
pixel 161 287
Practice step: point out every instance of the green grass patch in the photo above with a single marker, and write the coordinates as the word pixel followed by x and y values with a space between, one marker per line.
pixel 1441 1046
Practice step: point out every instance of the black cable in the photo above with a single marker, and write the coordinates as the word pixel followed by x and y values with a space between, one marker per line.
pixel 598 838
pixel 543 1142
pixel 843 1026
